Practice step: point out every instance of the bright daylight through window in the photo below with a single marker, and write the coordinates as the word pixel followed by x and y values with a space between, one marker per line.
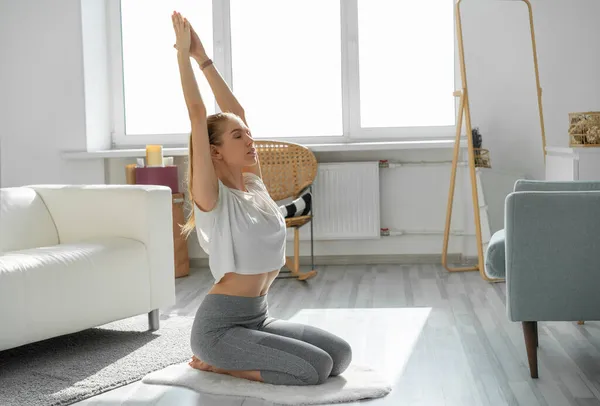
pixel 297 66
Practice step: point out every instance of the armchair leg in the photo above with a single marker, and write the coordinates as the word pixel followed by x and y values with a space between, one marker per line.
pixel 153 320
pixel 531 342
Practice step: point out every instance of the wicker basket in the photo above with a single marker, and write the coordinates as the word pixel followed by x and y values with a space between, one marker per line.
pixel 482 158
pixel 584 129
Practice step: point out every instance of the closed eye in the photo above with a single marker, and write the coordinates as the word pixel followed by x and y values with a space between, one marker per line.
pixel 237 133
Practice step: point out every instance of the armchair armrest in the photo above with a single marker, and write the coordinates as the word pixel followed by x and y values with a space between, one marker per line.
pixel 553 255
pixel 139 212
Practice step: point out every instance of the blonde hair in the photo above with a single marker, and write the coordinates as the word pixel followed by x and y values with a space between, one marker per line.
pixel 215 125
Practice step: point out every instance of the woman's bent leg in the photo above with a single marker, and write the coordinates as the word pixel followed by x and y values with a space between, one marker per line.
pixel 280 360
pixel 337 348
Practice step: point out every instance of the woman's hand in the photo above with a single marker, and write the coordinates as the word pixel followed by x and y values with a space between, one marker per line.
pixel 197 50
pixel 183 37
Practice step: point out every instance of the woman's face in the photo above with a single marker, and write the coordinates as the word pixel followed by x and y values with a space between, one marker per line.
pixel 237 145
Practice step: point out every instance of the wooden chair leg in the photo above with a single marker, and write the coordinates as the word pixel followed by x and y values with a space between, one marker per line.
pixel 302 276
pixel 312 245
pixel 293 264
pixel 297 249
pixel 531 340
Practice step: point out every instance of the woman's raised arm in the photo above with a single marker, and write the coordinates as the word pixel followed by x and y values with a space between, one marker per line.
pixel 205 186
pixel 223 95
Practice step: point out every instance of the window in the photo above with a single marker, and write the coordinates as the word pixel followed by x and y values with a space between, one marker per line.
pixel 286 66
pixel 152 95
pixel 305 70
pixel 406 57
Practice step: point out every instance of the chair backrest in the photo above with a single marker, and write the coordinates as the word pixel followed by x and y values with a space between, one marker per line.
pixel 527 185
pixel 287 168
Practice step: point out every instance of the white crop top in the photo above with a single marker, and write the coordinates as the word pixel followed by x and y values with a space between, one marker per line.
pixel 244 233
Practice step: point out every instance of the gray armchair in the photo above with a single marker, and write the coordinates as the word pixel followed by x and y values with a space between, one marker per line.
pixel 549 253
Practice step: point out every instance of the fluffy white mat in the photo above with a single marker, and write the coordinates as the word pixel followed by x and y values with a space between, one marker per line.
pixel 356 383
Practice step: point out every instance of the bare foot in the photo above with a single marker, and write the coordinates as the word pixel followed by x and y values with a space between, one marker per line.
pixel 201 365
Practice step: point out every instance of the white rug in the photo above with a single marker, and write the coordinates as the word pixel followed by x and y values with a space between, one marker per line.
pixel 356 383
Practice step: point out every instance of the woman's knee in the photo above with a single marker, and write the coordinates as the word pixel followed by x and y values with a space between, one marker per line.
pixel 342 357
pixel 312 370
pixel 323 365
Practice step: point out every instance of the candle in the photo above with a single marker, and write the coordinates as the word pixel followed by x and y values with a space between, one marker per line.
pixel 154 155
pixel 130 174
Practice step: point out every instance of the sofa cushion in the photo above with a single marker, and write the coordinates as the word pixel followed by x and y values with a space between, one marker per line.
pixel 26 222
pixel 50 291
pixel 495 261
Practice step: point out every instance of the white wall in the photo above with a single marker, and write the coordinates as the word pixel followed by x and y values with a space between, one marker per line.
pixel 44 105
pixel 413 199
pixel 42 99
pixel 501 74
pixel 570 62
pixel 96 77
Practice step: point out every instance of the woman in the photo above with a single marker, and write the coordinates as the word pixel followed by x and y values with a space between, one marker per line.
pixel 244 233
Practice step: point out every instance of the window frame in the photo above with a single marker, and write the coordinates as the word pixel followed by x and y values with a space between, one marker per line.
pixel 350 87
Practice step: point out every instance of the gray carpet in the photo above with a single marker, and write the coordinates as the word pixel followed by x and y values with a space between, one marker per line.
pixel 68 369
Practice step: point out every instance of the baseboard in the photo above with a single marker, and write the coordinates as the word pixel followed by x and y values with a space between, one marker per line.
pixel 361 259
pixel 468 259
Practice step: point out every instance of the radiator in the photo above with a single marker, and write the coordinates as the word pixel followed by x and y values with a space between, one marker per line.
pixel 345 202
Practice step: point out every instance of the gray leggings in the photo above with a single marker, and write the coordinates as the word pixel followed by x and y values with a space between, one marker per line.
pixel 236 333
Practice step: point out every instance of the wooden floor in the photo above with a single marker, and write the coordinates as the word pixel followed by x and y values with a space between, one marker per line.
pixel 446 340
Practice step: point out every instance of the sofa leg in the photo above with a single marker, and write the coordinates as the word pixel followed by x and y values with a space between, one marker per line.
pixel 153 321
pixel 531 340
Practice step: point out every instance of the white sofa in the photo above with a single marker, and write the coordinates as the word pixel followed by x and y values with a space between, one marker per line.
pixel 74 257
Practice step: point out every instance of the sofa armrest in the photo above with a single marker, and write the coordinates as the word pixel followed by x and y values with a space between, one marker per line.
pixel 139 212
pixel 523 185
pixel 552 255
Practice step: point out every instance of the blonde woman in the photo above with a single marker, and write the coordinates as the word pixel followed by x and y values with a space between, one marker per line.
pixel 243 231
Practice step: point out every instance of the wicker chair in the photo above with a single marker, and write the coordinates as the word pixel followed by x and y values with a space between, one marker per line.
pixel 289 169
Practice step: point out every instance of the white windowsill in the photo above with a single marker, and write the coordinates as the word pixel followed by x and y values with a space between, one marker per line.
pixel 335 147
